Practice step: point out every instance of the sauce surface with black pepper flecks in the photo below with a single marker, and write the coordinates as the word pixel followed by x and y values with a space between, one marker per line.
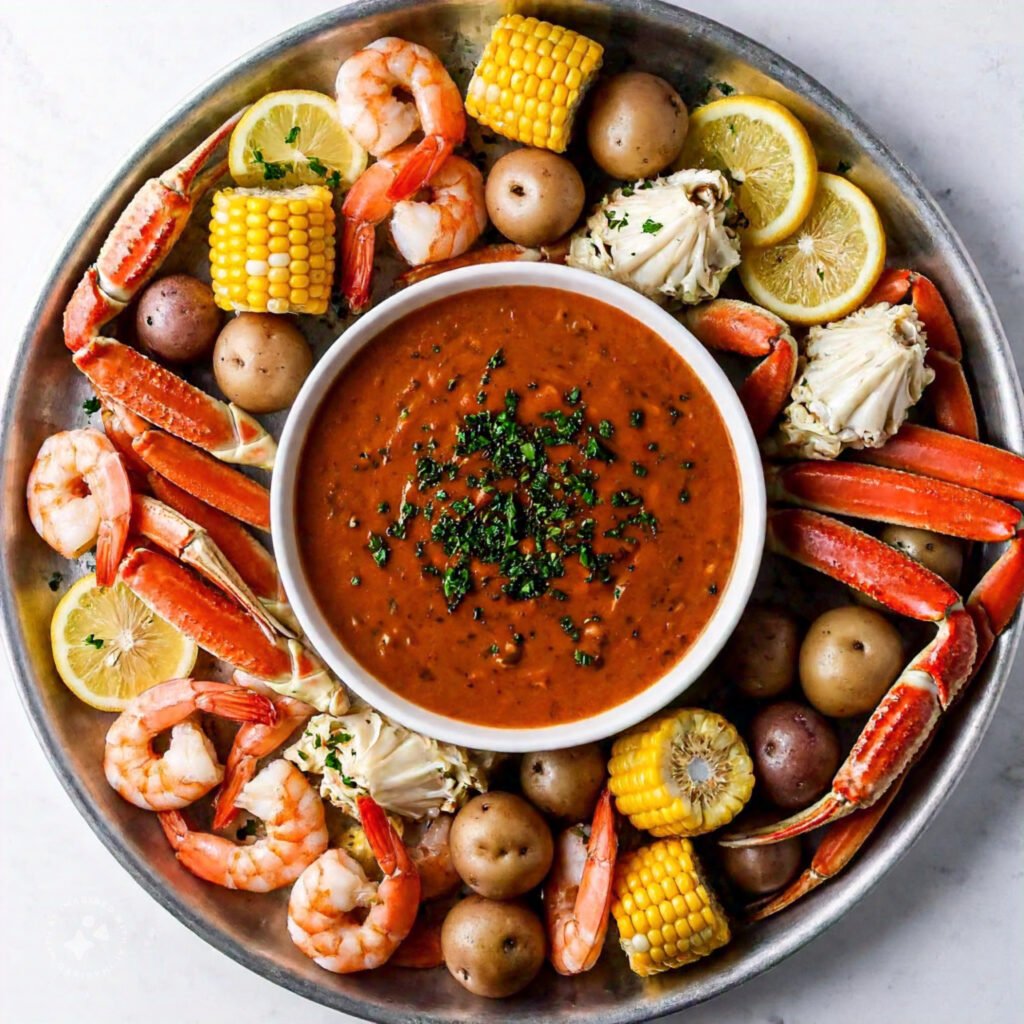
pixel 517 507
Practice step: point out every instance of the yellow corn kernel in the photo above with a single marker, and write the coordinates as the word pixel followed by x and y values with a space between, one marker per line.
pixel 670 931
pixel 681 773
pixel 527 60
pixel 263 245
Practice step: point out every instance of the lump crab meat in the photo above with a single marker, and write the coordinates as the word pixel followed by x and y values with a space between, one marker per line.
pixel 666 238
pixel 857 380
pixel 363 753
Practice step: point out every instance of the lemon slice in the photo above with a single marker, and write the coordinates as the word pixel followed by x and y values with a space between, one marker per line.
pixel 827 267
pixel 294 138
pixel 767 155
pixel 108 646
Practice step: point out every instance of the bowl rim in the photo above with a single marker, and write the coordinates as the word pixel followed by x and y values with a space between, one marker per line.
pixel 734 594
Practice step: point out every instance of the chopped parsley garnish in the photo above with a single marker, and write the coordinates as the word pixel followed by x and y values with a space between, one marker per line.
pixel 582 658
pixel 651 227
pixel 725 88
pixel 334 179
pixel 497 360
pixel 379 549
pixel 684 496
pixel 317 166
pixel 271 171
pixel 573 396
pixel 55 581
pixel 843 166
pixel 293 136
pixel 636 418
pixel 606 428
pixel 568 628
pixel 639 469
pixel 356 581
pixel 616 223
pixel 91 406
pixel 384 507
pixel 94 641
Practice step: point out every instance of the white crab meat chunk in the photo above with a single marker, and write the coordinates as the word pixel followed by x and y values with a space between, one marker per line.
pixel 407 774
pixel 665 237
pixel 856 381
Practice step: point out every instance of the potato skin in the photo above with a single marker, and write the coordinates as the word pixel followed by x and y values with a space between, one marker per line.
pixel 177 319
pixel 501 847
pixel 637 125
pixel 796 753
pixel 761 655
pixel 260 361
pixel 534 197
pixel 492 949
pixel 943 555
pixel 848 659
pixel 564 783
pixel 759 870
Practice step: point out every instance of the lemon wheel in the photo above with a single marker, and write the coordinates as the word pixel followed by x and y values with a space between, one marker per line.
pixel 767 155
pixel 294 138
pixel 108 646
pixel 827 267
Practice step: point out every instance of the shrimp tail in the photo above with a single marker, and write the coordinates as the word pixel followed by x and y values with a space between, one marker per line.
pixel 422 165
pixel 237 775
pixel 357 246
pixel 385 842
pixel 114 493
pixel 175 828
pixel 236 703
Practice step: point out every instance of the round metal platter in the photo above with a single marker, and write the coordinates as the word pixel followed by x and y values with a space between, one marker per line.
pixel 46 393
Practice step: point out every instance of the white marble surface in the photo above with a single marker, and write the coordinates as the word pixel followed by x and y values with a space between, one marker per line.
pixel 941 939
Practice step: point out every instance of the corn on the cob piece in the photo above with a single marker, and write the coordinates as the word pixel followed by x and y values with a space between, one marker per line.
pixel 531 80
pixel 682 773
pixel 272 250
pixel 665 912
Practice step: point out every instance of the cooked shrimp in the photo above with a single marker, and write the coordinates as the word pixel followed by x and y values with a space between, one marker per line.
pixel 321 921
pixel 380 120
pixel 253 741
pixel 296 834
pixel 189 768
pixel 79 495
pixel 444 224
pixel 432 855
pixel 578 892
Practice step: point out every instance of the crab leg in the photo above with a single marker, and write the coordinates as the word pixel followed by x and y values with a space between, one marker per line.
pixel 892 496
pixel 991 605
pixel 134 250
pixel 908 713
pixel 958 460
pixel 729 325
pixel 251 559
pixel 204 477
pixel 191 544
pixel 950 396
pixel 228 632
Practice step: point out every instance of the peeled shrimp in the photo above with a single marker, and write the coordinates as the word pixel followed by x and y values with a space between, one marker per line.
pixel 296 834
pixel 443 225
pixel 79 495
pixel 253 741
pixel 189 768
pixel 321 921
pixel 380 120
pixel 432 855
pixel 578 892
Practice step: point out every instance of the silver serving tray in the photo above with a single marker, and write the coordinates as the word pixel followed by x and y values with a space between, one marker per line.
pixel 45 394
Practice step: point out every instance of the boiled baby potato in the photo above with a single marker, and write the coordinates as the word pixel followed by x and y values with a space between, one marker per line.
pixel 761 655
pixel 493 949
pixel 534 196
pixel 177 319
pixel 260 361
pixel 943 555
pixel 759 870
pixel 500 846
pixel 848 659
pixel 564 783
pixel 637 125
pixel 796 753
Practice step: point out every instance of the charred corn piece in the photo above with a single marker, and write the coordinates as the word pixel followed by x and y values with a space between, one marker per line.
pixel 682 773
pixel 531 80
pixel 272 250
pixel 666 914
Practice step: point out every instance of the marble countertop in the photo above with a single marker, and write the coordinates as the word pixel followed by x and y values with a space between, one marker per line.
pixel 940 939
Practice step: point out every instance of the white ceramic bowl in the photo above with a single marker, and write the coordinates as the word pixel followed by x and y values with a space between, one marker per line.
pixel 735 593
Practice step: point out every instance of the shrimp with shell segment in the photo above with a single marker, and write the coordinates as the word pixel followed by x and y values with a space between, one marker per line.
pixel 326 918
pixel 442 225
pixel 381 120
pixel 295 834
pixel 255 740
pixel 79 495
pixel 578 892
pixel 189 768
